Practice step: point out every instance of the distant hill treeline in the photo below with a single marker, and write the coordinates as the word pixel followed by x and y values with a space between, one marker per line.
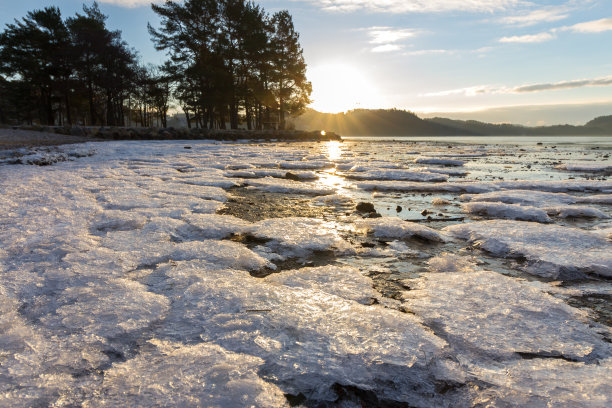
pixel 394 122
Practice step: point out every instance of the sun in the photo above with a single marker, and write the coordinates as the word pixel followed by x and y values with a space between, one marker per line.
pixel 341 87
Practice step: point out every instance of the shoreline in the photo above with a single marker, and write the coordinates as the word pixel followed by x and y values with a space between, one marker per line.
pixel 25 136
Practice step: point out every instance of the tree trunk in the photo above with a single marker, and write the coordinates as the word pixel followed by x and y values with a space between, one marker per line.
pixel 187 118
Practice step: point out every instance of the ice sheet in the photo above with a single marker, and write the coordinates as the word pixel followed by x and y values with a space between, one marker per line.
pixel 552 251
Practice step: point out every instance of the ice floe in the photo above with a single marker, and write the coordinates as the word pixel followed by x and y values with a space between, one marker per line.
pixel 499 315
pixel 442 162
pixel 391 227
pixel 298 236
pixel 343 281
pixel 586 167
pixel 551 251
pixel 507 211
pixel 273 185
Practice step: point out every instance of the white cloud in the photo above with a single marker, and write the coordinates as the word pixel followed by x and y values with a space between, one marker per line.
pixel 386 39
pixel 428 52
pixel 130 3
pixel 541 87
pixel 411 6
pixel 387 48
pixel 577 83
pixel 536 17
pixel 388 35
pixel 596 26
pixel 529 38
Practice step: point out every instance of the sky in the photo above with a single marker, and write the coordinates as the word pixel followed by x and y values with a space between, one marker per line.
pixel 532 62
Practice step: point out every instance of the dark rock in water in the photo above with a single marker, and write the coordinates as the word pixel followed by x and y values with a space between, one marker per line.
pixel 187 147
pixel 398 208
pixel 425 212
pixel 365 207
pixel 291 176
pixel 368 244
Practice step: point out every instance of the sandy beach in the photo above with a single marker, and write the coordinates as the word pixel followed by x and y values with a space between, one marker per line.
pixel 16 138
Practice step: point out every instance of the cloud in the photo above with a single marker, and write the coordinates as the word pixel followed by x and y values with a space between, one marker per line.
pixel 596 26
pixel 385 39
pixel 529 38
pixel 428 52
pixel 578 83
pixel 416 6
pixel 534 17
pixel 388 35
pixel 552 86
pixel 130 3
pixel 387 48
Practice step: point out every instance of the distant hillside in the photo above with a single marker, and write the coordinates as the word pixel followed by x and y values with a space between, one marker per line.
pixel 394 122
pixel 380 122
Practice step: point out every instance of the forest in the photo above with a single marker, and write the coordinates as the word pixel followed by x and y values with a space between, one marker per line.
pixel 229 63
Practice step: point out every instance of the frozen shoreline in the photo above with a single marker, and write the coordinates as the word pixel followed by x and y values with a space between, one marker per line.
pixel 131 259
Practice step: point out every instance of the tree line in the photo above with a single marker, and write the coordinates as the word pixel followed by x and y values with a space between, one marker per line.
pixel 229 62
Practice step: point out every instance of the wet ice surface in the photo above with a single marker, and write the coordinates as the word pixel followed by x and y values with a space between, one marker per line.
pixel 125 280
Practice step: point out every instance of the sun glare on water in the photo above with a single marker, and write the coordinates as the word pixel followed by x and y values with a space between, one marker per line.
pixel 341 87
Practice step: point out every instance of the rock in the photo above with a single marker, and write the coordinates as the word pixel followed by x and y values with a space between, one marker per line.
pixel 398 208
pixel 365 207
pixel 425 212
pixel 292 176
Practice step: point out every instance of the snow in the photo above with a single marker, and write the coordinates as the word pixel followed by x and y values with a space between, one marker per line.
pixel 552 251
pixel 507 211
pixel 390 227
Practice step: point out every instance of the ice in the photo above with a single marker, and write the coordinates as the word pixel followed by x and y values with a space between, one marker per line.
pixel 596 199
pixel 444 170
pixel 272 185
pixel 407 186
pixel 391 227
pixel 343 281
pixel 442 162
pixel 336 200
pixel 298 236
pixel 447 262
pixel 174 374
pixel 306 165
pixel 507 211
pixel 312 340
pixel 523 197
pixel 213 226
pixel 113 220
pixel 586 167
pixel 109 308
pixel 260 173
pixel 501 315
pixel 552 251
pixel 546 383
pixel 407 175
pixel 575 211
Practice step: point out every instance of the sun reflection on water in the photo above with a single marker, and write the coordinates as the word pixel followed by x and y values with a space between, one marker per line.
pixel 333 150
